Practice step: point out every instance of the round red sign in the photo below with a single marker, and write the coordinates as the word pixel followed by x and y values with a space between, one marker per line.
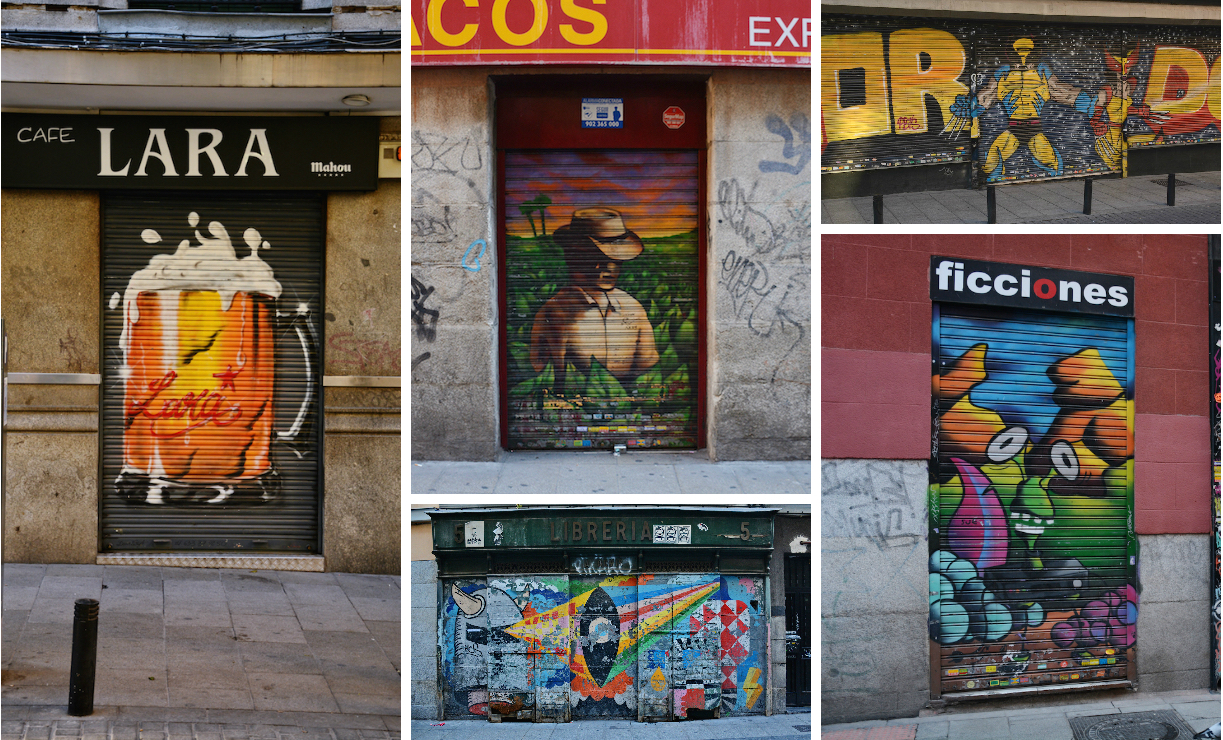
pixel 673 117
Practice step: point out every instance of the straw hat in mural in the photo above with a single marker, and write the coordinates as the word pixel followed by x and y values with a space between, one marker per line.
pixel 605 228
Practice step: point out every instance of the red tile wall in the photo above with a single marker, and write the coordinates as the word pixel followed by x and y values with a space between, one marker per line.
pixel 875 319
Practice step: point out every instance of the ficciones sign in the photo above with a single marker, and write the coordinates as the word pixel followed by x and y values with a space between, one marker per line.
pixel 1023 286
pixel 189 152
pixel 602 529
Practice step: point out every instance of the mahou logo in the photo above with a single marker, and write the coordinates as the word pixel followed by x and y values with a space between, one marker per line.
pixel 330 168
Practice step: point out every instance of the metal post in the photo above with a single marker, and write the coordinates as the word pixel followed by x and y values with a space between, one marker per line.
pixel 1172 189
pixel 878 203
pixel 991 204
pixel 84 657
pixel 1087 197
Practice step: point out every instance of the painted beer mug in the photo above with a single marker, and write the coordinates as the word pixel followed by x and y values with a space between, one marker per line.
pixel 199 364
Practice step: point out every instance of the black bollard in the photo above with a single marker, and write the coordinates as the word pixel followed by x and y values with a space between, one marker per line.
pixel 1172 190
pixel 878 204
pixel 84 657
pixel 1087 197
pixel 991 205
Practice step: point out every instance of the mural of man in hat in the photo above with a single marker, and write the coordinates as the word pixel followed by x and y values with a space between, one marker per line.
pixel 592 318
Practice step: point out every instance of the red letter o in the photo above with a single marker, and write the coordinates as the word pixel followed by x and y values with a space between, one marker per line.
pixel 1045 292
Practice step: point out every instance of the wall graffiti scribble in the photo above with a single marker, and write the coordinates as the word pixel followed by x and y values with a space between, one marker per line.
pixel 423 317
pixel 347 351
pixel 562 647
pixel 797 138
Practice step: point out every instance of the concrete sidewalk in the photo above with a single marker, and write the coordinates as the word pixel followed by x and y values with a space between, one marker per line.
pixel 199 653
pixel 777 727
pixel 1128 200
pixel 568 473
pixel 1024 719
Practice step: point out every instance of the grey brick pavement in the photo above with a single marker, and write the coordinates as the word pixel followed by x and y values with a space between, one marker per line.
pixel 126 730
pixel 785 726
pixel 575 473
pixel 1119 200
pixel 1044 718
pixel 214 653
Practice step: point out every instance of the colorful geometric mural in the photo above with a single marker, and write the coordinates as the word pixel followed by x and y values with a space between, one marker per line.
pixel 1033 556
pixel 1036 101
pixel 562 647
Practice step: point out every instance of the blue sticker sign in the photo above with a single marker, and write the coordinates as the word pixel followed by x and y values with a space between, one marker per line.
pixel 602 112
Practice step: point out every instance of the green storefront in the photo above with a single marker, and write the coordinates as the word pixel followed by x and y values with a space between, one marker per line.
pixel 554 614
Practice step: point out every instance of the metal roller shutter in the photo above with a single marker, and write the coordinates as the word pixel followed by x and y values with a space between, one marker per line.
pixel 211 380
pixel 1033 553
pixel 1050 100
pixel 555 647
pixel 602 264
pixel 887 92
pixel 1044 89
pixel 1176 87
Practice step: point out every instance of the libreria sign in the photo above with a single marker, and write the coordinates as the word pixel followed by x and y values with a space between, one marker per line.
pixel 1023 286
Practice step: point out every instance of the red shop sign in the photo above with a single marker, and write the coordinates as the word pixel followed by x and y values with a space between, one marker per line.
pixel 743 33
pixel 673 117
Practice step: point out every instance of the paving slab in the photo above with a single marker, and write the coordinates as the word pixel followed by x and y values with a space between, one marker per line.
pixel 599 473
pixel 1044 718
pixel 1114 200
pixel 179 646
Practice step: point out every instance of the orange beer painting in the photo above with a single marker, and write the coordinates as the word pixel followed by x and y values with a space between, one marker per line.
pixel 198 369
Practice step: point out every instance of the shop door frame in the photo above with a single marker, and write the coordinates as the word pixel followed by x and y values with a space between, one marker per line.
pixel 551 96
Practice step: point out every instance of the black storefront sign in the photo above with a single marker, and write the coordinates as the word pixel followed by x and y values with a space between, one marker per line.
pixel 189 152
pixel 1024 286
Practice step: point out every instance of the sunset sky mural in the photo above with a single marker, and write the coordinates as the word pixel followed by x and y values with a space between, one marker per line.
pixel 652 190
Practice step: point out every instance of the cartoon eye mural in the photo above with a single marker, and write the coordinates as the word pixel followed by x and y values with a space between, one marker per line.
pixel 1007 444
pixel 1065 461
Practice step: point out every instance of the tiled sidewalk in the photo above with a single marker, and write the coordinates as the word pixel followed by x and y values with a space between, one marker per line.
pixel 208 646
pixel 1027 719
pixel 1121 200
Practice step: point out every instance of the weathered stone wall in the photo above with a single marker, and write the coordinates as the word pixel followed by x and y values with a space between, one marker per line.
pixel 362 334
pixel 1174 627
pixel 759 266
pixel 875 656
pixel 51 313
pixel 454 335
pixel 426 691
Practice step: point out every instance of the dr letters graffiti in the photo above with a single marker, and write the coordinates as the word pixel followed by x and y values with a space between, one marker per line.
pixel 1033 554
pixel 562 647
pixel 1040 101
